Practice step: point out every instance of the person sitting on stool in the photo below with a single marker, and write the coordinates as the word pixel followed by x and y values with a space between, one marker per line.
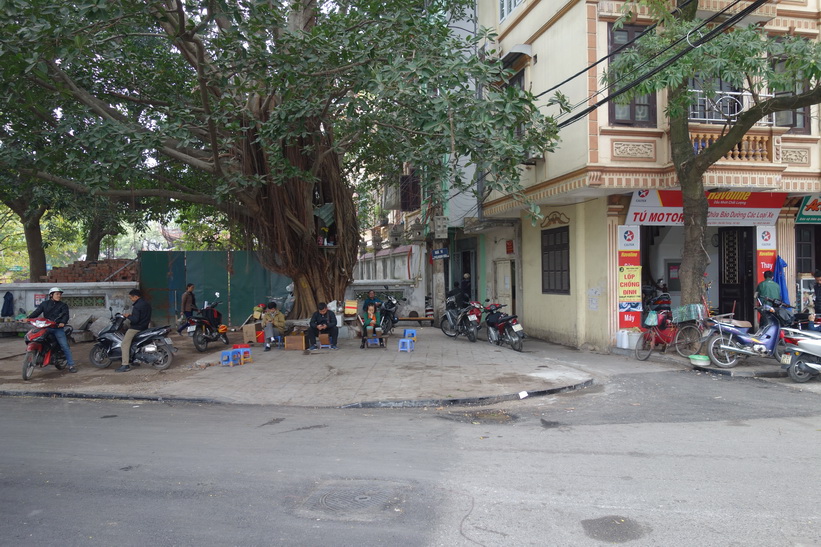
pixel 323 321
pixel 273 323
pixel 370 326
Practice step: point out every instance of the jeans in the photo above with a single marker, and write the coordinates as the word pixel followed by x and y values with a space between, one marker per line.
pixel 188 315
pixel 60 335
pixel 270 332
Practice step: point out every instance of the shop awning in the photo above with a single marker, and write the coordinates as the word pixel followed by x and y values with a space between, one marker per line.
pixel 731 208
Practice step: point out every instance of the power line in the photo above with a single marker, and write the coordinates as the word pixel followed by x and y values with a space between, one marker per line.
pixel 709 36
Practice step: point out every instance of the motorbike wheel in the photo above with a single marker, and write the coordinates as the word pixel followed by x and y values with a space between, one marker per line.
pixel 795 372
pixel 779 349
pixel 514 339
pixel 224 338
pixel 200 341
pixel 387 326
pixel 688 340
pixel 722 358
pixel 448 327
pixel 98 357
pixel 471 331
pixel 167 357
pixel 644 346
pixel 492 336
pixel 28 364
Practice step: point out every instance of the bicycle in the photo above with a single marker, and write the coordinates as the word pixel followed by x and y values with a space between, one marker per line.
pixel 663 333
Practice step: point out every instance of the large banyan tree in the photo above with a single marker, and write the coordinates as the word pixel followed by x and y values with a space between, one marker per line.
pixel 269 111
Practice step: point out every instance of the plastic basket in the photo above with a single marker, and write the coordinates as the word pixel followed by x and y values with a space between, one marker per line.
pixel 690 312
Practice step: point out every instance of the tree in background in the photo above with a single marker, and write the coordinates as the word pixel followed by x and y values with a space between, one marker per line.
pixel 263 110
pixel 780 73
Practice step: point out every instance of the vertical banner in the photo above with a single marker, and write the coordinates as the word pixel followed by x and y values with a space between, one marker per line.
pixel 765 251
pixel 629 277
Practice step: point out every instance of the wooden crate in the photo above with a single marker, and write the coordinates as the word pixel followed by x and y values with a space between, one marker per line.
pixel 295 341
pixel 325 339
pixel 249 332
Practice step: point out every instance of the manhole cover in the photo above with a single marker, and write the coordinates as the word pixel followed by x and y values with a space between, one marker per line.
pixel 354 500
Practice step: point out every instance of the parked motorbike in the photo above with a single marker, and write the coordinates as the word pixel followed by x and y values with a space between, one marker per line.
pixel 461 321
pixel 42 348
pixel 731 340
pixel 388 313
pixel 151 346
pixel 208 327
pixel 802 357
pixel 503 328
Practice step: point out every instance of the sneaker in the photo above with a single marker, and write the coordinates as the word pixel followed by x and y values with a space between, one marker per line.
pixel 267 347
pixel 72 368
pixel 124 368
pixel 312 348
pixel 334 347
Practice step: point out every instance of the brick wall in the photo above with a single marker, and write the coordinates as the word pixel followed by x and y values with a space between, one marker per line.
pixel 89 271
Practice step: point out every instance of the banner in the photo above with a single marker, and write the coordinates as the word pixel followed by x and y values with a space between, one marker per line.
pixel 664 208
pixel 810 211
pixel 765 251
pixel 629 276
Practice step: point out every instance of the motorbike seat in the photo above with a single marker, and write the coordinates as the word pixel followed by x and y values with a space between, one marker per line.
pixel 741 324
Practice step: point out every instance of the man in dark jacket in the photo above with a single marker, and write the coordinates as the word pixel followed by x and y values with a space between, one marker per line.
pixel 323 321
pixel 55 310
pixel 189 306
pixel 140 317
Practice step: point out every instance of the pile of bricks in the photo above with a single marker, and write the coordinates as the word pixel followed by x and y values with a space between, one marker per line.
pixel 88 271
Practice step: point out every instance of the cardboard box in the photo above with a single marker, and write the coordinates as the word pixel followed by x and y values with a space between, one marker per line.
pixel 295 341
pixel 325 339
pixel 249 332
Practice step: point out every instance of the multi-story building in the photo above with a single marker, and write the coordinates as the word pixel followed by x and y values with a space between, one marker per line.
pixel 612 179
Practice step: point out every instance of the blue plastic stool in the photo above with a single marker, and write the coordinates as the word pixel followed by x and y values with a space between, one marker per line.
pixel 406 344
pixel 279 341
pixel 236 357
pixel 225 358
pixel 410 333
pixel 372 342
pixel 245 356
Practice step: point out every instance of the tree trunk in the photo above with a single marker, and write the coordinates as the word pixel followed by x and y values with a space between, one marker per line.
pixel 96 233
pixel 694 257
pixel 30 219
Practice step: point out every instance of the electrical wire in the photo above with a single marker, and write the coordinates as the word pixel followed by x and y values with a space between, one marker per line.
pixel 706 38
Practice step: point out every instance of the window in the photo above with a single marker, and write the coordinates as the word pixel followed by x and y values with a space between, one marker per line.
pixel 506 6
pixel 804 247
pixel 797 120
pixel 556 261
pixel 641 111
pixel 716 101
pixel 410 194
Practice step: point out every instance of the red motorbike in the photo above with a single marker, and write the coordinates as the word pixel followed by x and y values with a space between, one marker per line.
pixel 502 328
pixel 42 348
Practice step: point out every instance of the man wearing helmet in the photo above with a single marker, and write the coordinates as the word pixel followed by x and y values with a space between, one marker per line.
pixel 55 310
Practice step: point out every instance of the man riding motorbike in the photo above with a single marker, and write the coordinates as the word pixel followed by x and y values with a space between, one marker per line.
pixel 55 310
pixel 140 316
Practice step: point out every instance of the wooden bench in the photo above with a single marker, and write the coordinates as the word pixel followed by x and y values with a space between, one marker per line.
pixel 420 319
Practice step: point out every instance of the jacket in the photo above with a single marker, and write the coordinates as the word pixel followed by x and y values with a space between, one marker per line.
pixel 140 314
pixel 52 310
pixel 189 301
pixel 274 317
pixel 366 320
pixel 329 319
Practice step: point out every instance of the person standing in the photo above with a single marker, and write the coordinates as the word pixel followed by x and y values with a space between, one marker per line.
pixel 189 305
pixel 817 287
pixel 54 309
pixel 768 288
pixel 372 299
pixel 140 317
pixel 323 321
pixel 273 323
pixel 465 286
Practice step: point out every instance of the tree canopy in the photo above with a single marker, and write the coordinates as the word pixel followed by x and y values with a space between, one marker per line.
pixel 266 110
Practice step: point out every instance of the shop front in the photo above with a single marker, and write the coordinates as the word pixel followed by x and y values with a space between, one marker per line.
pixel 742 243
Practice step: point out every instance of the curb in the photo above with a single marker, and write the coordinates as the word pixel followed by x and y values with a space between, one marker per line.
pixel 109 396
pixel 468 401
pixel 743 373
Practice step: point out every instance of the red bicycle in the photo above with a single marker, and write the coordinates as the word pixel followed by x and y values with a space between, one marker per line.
pixel 661 334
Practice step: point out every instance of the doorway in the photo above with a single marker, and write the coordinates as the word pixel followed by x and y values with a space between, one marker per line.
pixel 504 284
pixel 736 285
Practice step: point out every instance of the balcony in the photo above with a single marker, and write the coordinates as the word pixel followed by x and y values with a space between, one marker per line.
pixel 762 14
pixel 723 107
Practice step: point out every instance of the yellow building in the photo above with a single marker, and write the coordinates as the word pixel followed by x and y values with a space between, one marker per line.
pixel 613 168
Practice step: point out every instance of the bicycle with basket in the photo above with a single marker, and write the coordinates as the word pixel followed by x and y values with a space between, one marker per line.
pixel 681 328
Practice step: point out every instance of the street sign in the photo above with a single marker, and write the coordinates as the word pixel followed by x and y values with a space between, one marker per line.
pixel 440 253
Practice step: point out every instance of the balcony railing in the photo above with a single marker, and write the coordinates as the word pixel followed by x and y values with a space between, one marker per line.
pixel 752 148
pixel 724 107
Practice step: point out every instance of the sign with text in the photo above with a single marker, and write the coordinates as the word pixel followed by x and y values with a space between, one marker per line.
pixel 439 254
pixel 629 276
pixel 664 208
pixel 810 211
pixel 765 251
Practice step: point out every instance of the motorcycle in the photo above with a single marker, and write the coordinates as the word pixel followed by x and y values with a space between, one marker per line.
pixel 461 321
pixel 502 328
pixel 151 346
pixel 208 327
pixel 802 357
pixel 731 340
pixel 42 348
pixel 388 313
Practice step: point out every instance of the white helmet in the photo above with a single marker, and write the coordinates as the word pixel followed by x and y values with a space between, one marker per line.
pixel 54 290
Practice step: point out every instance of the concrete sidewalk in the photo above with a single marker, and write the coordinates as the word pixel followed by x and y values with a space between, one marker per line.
pixel 439 372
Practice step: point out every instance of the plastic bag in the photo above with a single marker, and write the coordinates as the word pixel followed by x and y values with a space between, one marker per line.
pixel 652 319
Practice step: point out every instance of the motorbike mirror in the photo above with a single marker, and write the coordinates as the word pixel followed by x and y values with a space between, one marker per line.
pixel 217 294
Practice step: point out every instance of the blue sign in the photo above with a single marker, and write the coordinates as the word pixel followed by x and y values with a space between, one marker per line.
pixel 440 253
